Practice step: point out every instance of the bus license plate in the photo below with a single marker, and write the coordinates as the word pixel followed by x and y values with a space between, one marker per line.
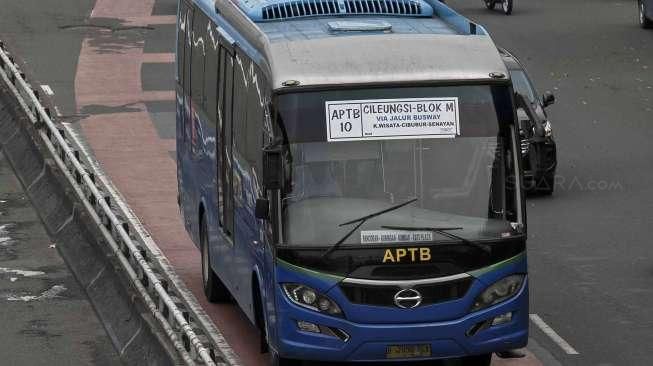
pixel 408 351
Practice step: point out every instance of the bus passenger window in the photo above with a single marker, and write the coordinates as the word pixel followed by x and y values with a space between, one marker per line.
pixel 255 117
pixel 226 138
pixel 240 107
pixel 239 128
pixel 187 50
pixel 181 38
pixel 211 75
pixel 197 67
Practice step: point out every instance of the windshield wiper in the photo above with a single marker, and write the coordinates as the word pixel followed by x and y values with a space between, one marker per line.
pixel 361 221
pixel 444 231
pixel 379 213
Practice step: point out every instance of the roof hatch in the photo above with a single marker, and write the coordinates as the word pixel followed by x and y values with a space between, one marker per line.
pixel 268 10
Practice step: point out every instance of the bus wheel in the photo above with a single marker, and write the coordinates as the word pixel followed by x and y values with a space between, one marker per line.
pixel 276 360
pixel 490 4
pixel 507 7
pixel 546 184
pixel 214 289
pixel 273 356
pixel 479 360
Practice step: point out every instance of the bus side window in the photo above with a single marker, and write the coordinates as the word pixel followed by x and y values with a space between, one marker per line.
pixel 255 116
pixel 227 63
pixel 182 20
pixel 211 69
pixel 197 79
pixel 220 149
pixel 197 59
pixel 211 75
pixel 239 125
pixel 187 61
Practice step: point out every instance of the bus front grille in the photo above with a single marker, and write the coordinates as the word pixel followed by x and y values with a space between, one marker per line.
pixel 384 295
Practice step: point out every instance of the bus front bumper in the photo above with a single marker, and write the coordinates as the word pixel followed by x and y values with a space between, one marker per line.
pixel 370 342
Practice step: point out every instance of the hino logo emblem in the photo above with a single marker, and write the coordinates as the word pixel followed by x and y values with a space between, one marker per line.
pixel 408 298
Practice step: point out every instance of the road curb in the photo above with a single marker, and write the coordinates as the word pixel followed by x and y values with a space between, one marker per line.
pixel 133 331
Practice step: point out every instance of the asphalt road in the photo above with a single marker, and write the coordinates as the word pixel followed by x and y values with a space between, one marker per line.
pixel 45 316
pixel 591 265
pixel 591 259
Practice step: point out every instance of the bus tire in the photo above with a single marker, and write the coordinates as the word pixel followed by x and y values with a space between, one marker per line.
pixel 546 184
pixel 489 4
pixel 214 288
pixel 507 7
pixel 276 360
pixel 478 360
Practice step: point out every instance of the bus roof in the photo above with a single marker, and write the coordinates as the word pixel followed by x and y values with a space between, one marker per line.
pixel 435 44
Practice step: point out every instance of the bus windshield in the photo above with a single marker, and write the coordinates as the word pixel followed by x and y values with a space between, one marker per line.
pixel 463 183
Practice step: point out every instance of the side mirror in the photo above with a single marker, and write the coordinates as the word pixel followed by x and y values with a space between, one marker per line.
pixel 262 210
pixel 548 98
pixel 272 168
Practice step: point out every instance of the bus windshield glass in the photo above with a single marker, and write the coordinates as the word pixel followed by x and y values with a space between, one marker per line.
pixel 463 182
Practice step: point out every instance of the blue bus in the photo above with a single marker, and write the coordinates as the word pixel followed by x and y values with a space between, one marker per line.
pixel 350 171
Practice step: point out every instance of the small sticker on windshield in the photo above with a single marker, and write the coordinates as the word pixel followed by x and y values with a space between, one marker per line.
pixel 395 236
pixel 385 119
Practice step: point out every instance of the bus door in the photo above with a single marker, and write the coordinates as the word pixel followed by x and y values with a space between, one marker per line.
pixel 247 140
pixel 223 256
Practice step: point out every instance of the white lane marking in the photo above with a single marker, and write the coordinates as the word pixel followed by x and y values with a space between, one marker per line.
pixel 555 337
pixel 4 229
pixel 46 88
pixel 5 239
pixel 21 272
pixel 50 293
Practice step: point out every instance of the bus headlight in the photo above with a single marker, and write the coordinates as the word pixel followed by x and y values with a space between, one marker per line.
pixel 311 299
pixel 500 291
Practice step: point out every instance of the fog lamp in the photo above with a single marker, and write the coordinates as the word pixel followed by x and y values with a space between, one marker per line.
pixel 308 326
pixel 502 319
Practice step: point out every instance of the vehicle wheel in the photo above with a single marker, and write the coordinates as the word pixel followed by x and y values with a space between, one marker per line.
pixel 276 360
pixel 479 360
pixel 273 356
pixel 214 289
pixel 643 20
pixel 490 4
pixel 546 184
pixel 507 7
